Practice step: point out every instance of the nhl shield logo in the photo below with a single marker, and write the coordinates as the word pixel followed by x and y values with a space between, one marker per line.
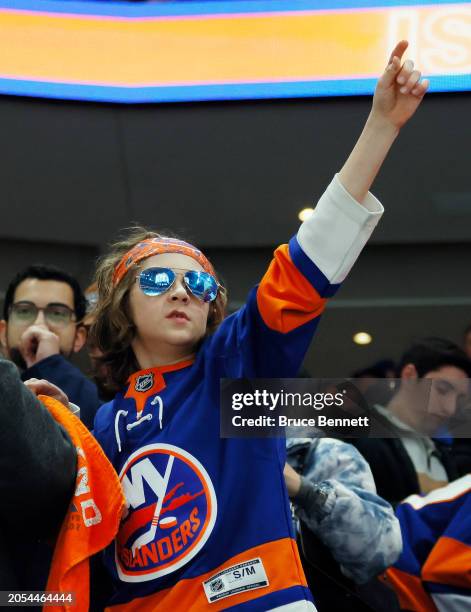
pixel 172 511
pixel 144 382
pixel 216 585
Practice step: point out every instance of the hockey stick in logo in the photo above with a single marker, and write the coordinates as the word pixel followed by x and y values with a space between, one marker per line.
pixel 149 535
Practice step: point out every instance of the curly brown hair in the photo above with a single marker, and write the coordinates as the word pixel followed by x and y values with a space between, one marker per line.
pixel 113 330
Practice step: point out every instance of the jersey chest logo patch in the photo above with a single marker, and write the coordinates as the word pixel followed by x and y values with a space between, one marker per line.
pixel 172 510
pixel 144 383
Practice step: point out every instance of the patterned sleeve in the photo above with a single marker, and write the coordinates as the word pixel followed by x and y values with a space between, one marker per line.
pixel 359 527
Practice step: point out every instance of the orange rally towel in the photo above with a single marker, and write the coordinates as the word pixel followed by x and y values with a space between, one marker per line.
pixel 93 518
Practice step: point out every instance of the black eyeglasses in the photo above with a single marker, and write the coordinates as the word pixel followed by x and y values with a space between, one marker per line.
pixel 56 315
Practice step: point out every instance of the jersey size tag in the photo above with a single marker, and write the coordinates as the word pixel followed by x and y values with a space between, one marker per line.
pixel 236 579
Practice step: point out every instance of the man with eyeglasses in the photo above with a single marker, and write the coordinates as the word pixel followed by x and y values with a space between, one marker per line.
pixel 42 328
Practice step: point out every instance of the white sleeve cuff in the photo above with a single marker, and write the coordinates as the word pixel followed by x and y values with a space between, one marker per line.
pixel 338 229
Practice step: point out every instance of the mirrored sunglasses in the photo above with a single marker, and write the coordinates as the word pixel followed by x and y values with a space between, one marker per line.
pixel 155 281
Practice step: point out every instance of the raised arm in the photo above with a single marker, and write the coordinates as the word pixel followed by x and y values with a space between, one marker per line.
pixel 274 331
pixel 398 94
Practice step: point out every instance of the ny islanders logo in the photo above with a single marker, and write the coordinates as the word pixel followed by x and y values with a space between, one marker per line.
pixel 172 510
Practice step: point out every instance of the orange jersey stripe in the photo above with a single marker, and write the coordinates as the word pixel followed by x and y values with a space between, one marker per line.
pixel 449 559
pixel 285 298
pixel 410 591
pixel 282 565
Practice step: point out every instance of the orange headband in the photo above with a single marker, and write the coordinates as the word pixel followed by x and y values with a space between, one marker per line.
pixel 157 246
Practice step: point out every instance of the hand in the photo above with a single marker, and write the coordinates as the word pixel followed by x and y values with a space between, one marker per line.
pixel 44 387
pixel 399 91
pixel 292 480
pixel 37 343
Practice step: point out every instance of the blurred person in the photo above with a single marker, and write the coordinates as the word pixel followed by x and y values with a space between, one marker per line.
pixel 369 381
pixel 433 572
pixel 37 475
pixel 460 425
pixel 460 431
pixel 42 328
pixel 97 367
pixel 91 300
pixel 385 368
pixel 349 534
pixel 461 450
pixel 49 465
pixel 467 341
pixel 412 458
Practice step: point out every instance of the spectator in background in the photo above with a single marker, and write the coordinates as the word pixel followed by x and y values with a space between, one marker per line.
pixel 37 476
pixel 370 381
pixel 47 472
pixel 94 353
pixel 462 445
pixel 385 368
pixel 42 328
pixel 408 460
pixel 467 341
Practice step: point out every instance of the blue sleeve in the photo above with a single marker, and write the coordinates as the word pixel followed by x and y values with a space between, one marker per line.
pixel 434 567
pixel 79 389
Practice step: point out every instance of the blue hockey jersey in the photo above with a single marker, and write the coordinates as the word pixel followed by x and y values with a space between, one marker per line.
pixel 434 571
pixel 208 524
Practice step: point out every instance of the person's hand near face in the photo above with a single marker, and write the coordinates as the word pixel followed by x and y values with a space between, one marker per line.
pixel 37 343
pixel 41 323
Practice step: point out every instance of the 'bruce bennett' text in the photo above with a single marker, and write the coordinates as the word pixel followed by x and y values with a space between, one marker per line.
pixel 284 421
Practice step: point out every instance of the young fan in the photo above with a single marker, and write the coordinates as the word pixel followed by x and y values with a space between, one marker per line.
pixel 208 523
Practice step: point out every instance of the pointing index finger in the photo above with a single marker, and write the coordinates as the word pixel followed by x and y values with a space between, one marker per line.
pixel 398 50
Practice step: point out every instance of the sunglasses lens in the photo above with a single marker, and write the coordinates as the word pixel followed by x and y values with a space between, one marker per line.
pixel 202 285
pixel 155 281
